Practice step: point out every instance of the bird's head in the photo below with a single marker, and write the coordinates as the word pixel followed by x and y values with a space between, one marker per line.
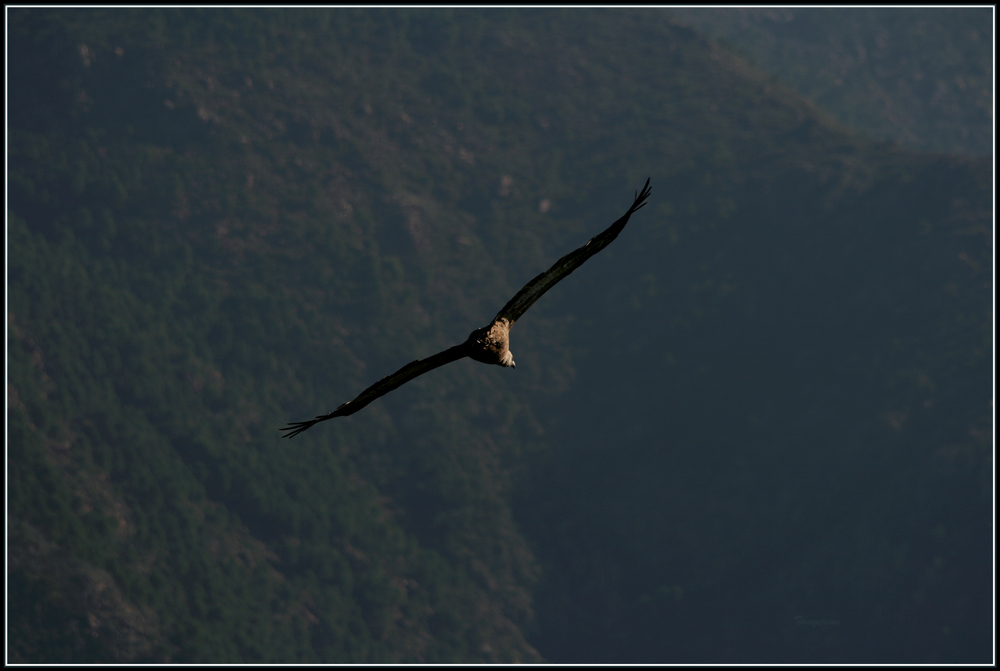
pixel 508 360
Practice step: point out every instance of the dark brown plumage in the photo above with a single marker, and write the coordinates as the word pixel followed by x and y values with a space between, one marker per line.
pixel 489 344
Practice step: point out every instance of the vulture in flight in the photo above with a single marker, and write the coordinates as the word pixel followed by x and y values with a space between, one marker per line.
pixel 490 343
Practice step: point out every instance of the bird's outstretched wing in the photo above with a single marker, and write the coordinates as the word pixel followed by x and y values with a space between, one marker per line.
pixel 383 386
pixel 534 289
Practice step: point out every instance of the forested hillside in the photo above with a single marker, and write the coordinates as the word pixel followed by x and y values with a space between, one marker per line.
pixel 767 403
pixel 920 76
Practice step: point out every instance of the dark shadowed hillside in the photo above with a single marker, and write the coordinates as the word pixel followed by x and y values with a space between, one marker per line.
pixel 757 428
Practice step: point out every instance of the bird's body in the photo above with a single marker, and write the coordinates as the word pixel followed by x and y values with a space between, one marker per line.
pixel 490 344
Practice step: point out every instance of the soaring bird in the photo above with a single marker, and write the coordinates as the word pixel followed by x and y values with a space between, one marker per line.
pixel 489 344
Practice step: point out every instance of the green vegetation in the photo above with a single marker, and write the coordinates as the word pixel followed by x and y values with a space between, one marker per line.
pixel 920 76
pixel 223 220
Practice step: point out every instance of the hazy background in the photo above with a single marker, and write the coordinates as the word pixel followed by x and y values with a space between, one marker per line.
pixel 922 77
pixel 757 428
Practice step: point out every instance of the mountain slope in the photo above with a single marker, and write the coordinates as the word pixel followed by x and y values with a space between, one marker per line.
pixel 223 220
